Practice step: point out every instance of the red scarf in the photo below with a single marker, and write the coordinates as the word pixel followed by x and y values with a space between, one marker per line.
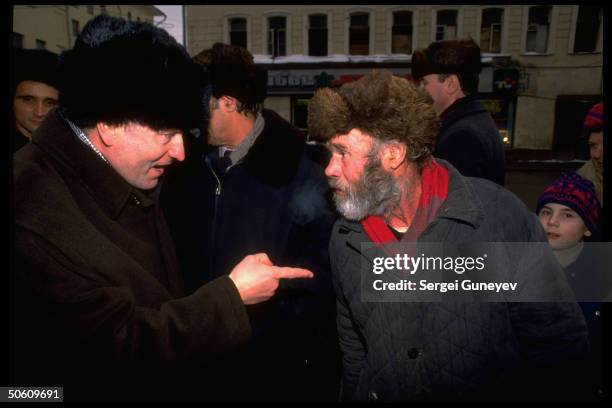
pixel 434 189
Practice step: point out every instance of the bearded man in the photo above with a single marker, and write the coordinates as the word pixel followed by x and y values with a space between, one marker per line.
pixel 381 131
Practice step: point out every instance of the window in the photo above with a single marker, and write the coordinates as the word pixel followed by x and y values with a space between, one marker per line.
pixel 587 28
pixel 359 34
pixel 490 30
pixel 103 9
pixel 317 34
pixel 17 40
pixel 401 33
pixel 277 36
pixel 138 19
pixel 446 25
pixel 129 16
pixel 75 28
pixel 238 32
pixel 41 45
pixel 537 29
pixel 90 9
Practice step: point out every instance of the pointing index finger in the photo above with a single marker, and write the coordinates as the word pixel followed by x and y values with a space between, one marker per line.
pixel 291 273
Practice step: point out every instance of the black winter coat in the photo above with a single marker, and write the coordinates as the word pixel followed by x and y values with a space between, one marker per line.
pixel 275 200
pixel 469 140
pixel 98 305
pixel 453 350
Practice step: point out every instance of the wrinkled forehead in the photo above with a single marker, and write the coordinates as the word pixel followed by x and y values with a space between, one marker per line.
pixel 355 141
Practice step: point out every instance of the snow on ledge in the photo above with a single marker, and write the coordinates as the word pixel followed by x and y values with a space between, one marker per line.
pixel 379 58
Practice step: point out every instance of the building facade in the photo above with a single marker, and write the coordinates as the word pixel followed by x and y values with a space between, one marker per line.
pixel 542 65
pixel 55 27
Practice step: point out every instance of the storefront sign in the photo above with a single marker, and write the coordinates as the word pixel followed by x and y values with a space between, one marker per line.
pixel 306 81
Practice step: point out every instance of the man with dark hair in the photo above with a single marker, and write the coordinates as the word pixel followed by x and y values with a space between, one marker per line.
pixel 98 302
pixel 390 190
pixel 250 186
pixel 34 89
pixel 468 137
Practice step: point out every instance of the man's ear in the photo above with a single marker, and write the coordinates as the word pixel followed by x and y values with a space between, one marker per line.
pixel 229 103
pixel 452 84
pixel 393 154
pixel 108 133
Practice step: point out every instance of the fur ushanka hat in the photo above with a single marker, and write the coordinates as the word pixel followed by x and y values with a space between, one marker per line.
pixel 380 104
pixel 233 72
pixel 125 71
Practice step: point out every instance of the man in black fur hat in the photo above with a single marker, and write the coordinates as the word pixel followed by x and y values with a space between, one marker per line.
pixel 98 301
pixel 34 90
pixel 468 137
pixel 252 187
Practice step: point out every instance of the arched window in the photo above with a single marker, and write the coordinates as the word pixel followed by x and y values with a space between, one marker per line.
pixel 491 30
pixel 317 34
pixel 401 33
pixel 238 31
pixel 538 29
pixel 446 25
pixel 359 34
pixel 277 36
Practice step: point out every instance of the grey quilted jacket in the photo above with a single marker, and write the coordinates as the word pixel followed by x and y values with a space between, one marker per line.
pixel 408 351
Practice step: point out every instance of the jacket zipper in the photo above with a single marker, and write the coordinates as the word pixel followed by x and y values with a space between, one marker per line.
pixel 215 212
pixel 214 219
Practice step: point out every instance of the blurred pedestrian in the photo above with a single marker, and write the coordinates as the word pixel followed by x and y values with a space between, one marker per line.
pixel 468 137
pixel 34 89
pixel 251 186
pixel 593 132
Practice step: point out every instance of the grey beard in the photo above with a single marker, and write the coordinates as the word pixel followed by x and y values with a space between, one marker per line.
pixel 376 193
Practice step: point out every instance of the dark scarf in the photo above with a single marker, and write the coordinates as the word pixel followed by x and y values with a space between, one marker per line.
pixel 434 189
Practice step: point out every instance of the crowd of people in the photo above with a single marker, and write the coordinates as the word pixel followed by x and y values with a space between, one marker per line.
pixel 174 240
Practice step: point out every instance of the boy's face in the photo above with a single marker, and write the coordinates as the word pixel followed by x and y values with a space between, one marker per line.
pixel 563 226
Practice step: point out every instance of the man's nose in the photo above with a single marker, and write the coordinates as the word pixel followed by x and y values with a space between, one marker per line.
pixel 177 147
pixel 333 168
pixel 39 109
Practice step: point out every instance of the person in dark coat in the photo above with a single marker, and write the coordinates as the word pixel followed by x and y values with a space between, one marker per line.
pixel 569 211
pixel 98 304
pixel 251 186
pixel 468 137
pixel 34 91
pixel 391 191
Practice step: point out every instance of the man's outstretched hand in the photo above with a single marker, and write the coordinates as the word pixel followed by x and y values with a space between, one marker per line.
pixel 257 278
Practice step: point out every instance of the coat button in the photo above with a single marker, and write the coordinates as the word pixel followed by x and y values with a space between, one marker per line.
pixel 597 313
pixel 372 396
pixel 413 353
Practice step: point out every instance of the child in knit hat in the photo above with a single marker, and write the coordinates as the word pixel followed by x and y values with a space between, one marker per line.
pixel 568 211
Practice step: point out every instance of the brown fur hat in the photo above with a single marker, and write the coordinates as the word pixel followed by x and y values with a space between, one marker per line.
pixel 381 105
pixel 459 57
pixel 233 72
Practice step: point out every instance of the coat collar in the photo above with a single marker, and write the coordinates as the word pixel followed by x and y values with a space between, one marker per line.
pixel 461 108
pixel 275 155
pixel 462 204
pixel 55 137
